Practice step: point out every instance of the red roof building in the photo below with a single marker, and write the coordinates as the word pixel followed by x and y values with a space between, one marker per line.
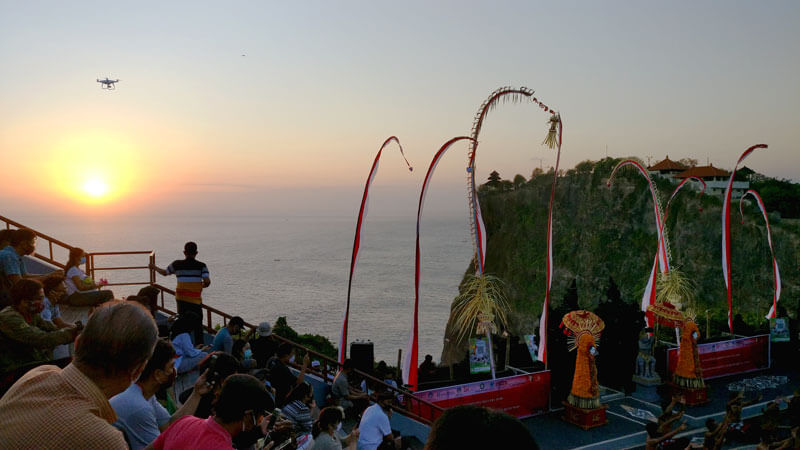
pixel 667 166
pixel 705 173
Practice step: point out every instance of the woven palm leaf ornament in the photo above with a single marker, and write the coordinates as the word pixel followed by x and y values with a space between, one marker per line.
pixel 574 324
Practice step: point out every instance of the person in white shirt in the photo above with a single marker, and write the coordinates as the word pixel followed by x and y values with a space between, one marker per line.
pixel 81 289
pixel 374 428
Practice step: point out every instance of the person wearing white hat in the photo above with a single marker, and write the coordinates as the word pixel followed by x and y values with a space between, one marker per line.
pixel 263 345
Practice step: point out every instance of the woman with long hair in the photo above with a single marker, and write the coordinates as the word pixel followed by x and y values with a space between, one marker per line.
pixel 81 289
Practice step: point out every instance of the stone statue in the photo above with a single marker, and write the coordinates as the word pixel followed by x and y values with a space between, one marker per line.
pixel 646 362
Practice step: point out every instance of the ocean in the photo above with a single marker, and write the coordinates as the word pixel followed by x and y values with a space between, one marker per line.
pixel 266 267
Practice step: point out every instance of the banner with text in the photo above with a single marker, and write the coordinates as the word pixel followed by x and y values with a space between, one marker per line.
pixel 718 359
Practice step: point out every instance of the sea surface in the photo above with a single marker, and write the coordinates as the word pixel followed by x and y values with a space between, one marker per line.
pixel 297 267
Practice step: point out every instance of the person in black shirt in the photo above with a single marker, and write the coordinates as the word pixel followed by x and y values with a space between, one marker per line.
pixel 262 344
pixel 280 377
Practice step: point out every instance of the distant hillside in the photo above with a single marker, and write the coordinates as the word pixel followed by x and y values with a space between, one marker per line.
pixel 601 232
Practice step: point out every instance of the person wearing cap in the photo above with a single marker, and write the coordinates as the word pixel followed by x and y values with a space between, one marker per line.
pixel 262 344
pixel 193 277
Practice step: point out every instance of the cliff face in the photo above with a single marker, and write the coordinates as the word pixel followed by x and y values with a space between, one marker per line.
pixel 601 232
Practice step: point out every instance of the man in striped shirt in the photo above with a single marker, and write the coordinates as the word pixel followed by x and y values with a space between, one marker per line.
pixel 192 278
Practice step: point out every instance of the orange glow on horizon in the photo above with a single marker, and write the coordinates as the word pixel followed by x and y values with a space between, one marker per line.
pixel 92 168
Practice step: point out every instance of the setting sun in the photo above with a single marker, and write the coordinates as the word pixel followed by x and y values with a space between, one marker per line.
pixel 93 167
pixel 95 187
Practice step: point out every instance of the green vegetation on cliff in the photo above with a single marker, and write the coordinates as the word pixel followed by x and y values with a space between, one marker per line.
pixel 602 232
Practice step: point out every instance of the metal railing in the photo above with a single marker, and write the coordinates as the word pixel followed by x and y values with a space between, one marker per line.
pixel 413 407
pixel 49 258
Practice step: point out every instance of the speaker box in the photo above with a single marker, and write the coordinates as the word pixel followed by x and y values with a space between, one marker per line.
pixel 362 353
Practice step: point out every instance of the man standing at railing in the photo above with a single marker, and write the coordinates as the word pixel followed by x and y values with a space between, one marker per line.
pixel 192 277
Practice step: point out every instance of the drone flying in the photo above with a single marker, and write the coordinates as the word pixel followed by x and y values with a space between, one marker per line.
pixel 107 84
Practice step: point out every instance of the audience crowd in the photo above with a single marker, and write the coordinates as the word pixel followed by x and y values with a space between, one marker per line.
pixel 131 378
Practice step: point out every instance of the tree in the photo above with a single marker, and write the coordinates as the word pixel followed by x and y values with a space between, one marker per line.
pixel 519 181
pixel 506 185
pixel 494 180
pixel 584 167
pixel 537 172
pixel 688 162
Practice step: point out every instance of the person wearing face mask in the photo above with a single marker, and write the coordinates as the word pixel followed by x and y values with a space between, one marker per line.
pixel 51 407
pixel 81 289
pixel 27 340
pixel 242 402
pixel 327 429
pixel 55 291
pixel 139 414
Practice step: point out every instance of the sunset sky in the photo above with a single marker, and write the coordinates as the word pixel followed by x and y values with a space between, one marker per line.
pixel 279 107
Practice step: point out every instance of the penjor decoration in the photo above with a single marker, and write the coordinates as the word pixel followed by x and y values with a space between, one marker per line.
pixel 412 351
pixel 662 258
pixel 726 232
pixel 357 240
pixel 478 229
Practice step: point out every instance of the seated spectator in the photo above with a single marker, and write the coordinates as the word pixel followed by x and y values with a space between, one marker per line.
pixel 242 352
pixel 344 394
pixel 299 408
pixel 54 292
pixel 139 414
pixel 27 340
pixel 5 237
pixel 217 367
pixel 427 370
pixel 280 377
pixel 21 242
pixel 148 296
pixel 466 427
pixel 181 333
pixel 81 289
pixel 263 345
pixel 388 378
pixel 223 341
pixel 242 401
pixel 68 408
pixel 326 430
pixel 374 428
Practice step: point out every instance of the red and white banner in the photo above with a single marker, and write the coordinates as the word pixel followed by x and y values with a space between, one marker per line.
pixel 542 356
pixel 412 350
pixel 777 274
pixel 362 212
pixel 726 232
pixel 649 295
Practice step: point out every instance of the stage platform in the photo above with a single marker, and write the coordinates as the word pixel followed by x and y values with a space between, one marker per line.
pixel 625 431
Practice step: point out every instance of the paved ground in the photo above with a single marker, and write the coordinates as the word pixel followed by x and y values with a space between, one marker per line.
pixel 625 431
